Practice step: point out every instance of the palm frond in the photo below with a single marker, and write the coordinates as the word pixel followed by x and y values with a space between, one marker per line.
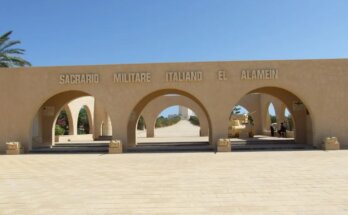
pixel 8 54
pixel 5 37
pixel 3 64
pixel 5 45
pixel 13 51
pixel 14 61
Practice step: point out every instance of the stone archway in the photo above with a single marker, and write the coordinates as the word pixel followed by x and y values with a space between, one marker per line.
pixel 138 109
pixel 48 113
pixel 75 106
pixel 154 108
pixel 297 108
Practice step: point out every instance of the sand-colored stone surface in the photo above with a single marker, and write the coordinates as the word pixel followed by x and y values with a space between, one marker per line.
pixel 120 99
pixel 307 182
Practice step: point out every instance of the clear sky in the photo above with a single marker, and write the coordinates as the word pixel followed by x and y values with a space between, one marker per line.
pixel 75 32
pixel 81 32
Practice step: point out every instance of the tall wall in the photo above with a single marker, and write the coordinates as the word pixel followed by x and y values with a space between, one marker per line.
pixel 124 91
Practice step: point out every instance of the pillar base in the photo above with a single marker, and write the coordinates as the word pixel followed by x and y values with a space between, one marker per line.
pixel 115 147
pixel 331 143
pixel 14 152
pixel 14 148
pixel 224 145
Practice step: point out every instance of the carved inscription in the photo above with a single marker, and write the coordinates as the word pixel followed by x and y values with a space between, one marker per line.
pixel 132 77
pixel 179 76
pixel 90 78
pixel 259 74
pixel 222 75
pixel 184 76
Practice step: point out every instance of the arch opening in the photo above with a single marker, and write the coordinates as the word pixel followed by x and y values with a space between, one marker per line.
pixel 67 117
pixel 171 121
pixel 272 116
pixel 151 107
pixel 274 112
pixel 289 120
pixel 84 121
pixel 62 123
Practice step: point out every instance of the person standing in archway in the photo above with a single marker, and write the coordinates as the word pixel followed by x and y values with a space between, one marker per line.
pixel 272 130
pixel 282 130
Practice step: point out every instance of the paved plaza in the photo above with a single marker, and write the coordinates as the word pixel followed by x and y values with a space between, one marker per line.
pixel 287 182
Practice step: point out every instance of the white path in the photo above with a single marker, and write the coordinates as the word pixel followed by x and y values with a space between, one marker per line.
pixel 183 128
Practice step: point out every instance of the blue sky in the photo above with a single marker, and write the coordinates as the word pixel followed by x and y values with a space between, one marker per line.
pixel 83 32
pixel 74 32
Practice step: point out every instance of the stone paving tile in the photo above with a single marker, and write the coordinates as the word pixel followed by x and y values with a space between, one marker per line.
pixel 302 182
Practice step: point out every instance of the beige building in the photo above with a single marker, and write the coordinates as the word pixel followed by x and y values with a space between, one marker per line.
pixel 314 92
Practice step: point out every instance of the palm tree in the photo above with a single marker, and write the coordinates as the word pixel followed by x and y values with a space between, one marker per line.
pixel 9 55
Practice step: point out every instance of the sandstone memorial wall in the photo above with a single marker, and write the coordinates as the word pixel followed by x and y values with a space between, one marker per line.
pixel 314 91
